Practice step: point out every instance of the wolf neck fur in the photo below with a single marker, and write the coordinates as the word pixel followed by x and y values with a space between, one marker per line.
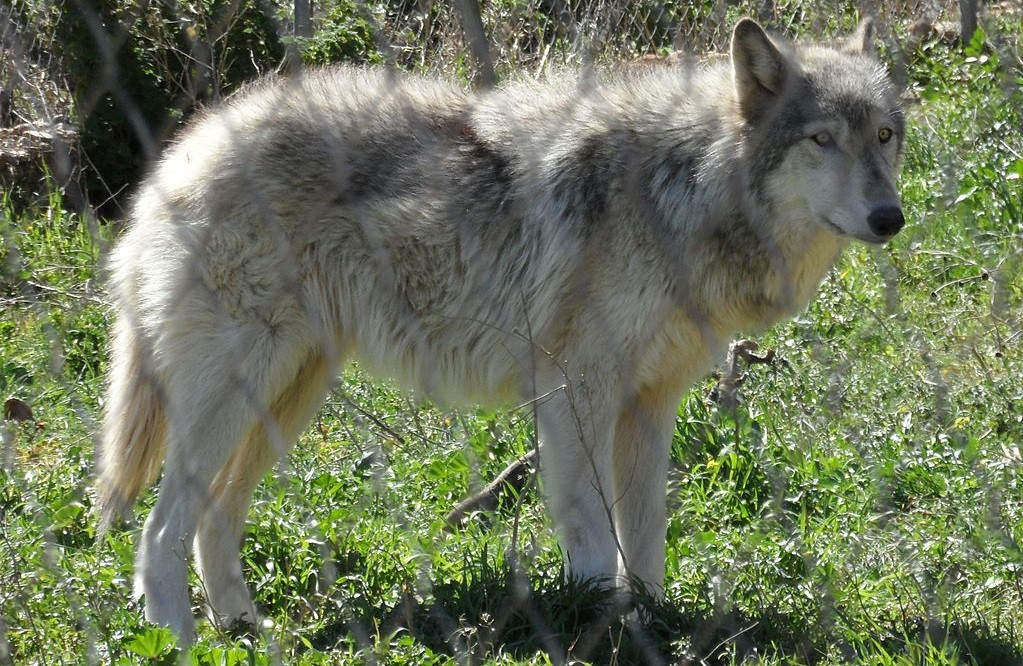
pixel 765 262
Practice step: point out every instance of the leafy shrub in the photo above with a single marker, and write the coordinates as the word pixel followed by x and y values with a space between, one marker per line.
pixel 344 36
pixel 136 71
pixel 119 100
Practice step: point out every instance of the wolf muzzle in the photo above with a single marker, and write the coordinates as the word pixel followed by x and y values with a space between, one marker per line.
pixel 886 221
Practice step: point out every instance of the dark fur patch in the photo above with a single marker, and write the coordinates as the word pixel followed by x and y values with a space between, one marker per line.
pixel 586 179
pixel 482 167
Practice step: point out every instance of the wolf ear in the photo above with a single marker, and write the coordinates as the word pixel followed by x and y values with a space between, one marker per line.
pixel 759 69
pixel 862 40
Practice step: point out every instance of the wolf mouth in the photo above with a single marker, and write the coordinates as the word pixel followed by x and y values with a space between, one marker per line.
pixel 834 228
pixel 868 237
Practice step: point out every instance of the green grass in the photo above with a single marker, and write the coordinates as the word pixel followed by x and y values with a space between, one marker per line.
pixel 863 504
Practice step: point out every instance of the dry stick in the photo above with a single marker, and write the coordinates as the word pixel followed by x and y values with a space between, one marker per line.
pixel 513 478
pixel 726 393
pixel 388 430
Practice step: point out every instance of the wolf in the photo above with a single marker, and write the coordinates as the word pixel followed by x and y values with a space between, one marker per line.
pixel 586 243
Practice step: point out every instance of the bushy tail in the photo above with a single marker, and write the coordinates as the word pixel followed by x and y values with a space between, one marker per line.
pixel 135 425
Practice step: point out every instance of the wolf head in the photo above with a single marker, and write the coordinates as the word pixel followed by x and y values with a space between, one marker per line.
pixel 823 131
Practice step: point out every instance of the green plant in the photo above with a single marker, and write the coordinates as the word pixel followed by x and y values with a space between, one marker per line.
pixel 344 35
pixel 861 505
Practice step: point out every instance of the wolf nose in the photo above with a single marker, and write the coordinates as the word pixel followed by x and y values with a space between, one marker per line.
pixel 886 221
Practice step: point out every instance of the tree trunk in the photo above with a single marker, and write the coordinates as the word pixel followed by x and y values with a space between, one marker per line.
pixel 967 20
pixel 472 24
pixel 303 18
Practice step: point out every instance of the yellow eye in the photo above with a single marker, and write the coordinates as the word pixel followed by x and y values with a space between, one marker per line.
pixel 884 135
pixel 823 138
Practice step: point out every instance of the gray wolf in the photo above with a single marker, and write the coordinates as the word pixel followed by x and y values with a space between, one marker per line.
pixel 589 242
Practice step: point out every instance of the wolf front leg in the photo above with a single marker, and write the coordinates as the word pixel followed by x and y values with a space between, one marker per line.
pixel 576 425
pixel 642 446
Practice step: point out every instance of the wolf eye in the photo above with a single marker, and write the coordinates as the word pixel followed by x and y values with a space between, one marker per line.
pixel 823 138
pixel 884 135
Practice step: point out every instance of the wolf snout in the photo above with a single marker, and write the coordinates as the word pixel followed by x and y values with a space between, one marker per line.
pixel 886 221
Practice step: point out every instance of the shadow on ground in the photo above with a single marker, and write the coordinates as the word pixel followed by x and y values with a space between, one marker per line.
pixel 498 613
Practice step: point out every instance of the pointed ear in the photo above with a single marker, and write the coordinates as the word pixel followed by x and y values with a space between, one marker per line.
pixel 759 69
pixel 862 40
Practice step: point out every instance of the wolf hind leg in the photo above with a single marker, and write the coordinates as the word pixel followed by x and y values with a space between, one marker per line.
pixel 222 525
pixel 220 382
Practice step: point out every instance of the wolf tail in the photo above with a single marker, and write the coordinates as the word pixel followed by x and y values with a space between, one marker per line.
pixel 135 426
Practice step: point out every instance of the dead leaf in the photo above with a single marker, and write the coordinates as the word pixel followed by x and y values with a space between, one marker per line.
pixel 17 410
